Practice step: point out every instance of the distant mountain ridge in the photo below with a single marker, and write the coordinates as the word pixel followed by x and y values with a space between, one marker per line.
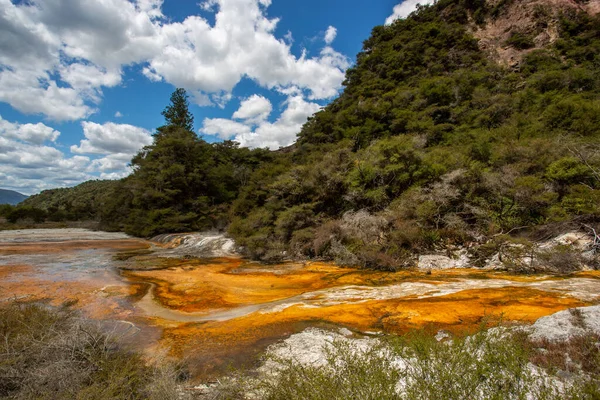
pixel 11 197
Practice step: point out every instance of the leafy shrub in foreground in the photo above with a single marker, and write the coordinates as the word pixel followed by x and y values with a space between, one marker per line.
pixel 52 354
pixel 492 364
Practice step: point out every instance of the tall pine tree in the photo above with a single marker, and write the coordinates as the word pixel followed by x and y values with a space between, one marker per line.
pixel 170 178
pixel 180 182
pixel 177 113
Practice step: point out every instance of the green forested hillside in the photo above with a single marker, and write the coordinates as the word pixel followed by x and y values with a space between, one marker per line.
pixel 437 145
pixel 431 144
pixel 80 202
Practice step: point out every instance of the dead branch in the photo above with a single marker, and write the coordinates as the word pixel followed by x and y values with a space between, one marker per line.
pixel 596 244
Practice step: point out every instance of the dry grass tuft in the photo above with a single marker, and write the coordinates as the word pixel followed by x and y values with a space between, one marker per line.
pixel 54 354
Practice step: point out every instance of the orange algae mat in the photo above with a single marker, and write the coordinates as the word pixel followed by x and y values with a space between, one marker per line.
pixel 297 295
pixel 226 283
pixel 229 283
pixel 212 345
pixel 232 283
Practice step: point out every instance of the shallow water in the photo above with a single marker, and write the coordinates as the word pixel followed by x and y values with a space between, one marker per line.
pixel 219 311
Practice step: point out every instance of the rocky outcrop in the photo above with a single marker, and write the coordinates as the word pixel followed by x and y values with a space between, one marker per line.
pixel 569 252
pixel 312 346
pixel 535 19
pixel 430 262
pixel 200 244
pixel 565 325
pixel 566 253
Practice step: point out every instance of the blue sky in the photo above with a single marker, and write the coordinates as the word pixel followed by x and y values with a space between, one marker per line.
pixel 83 82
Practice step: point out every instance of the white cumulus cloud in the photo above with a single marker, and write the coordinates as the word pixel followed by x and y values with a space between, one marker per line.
pixel 330 35
pixel 273 135
pixel 116 144
pixel 30 133
pixel 31 159
pixel 111 138
pixel 254 109
pixel 37 94
pixel 87 76
pixel 224 128
pixel 29 162
pixel 404 9
pixel 241 44
pixel 57 55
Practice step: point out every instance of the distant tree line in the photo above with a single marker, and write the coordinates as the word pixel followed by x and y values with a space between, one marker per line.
pixel 179 183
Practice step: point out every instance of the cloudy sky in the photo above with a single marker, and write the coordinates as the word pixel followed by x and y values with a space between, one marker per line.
pixel 83 82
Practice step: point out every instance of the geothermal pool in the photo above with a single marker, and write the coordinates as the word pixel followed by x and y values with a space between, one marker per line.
pixel 175 296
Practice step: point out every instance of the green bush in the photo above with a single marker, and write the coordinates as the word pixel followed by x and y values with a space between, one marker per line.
pixel 23 213
pixel 293 219
pixel 492 364
pixel 582 200
pixel 521 41
pixel 6 209
pixel 568 170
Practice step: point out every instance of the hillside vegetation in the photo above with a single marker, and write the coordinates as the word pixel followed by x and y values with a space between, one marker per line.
pixel 432 144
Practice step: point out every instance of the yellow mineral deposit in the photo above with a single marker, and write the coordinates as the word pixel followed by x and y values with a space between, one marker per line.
pixel 227 310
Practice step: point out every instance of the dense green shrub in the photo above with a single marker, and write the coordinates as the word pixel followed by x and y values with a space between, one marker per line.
pixel 22 213
pixel 6 209
pixel 520 40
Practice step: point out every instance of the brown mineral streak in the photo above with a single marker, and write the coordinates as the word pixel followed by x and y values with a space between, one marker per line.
pixel 57 247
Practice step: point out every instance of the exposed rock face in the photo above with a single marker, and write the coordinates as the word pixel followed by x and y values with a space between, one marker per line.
pixel 311 346
pixel 201 244
pixel 537 19
pixel 576 240
pixel 438 262
pixel 567 324
pixel 569 252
